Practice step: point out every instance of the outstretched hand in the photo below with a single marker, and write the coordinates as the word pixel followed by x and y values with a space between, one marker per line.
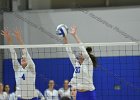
pixel 6 35
pixel 17 34
pixel 73 30
pixel 74 33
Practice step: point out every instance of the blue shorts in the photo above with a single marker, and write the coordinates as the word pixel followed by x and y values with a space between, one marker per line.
pixel 28 99
pixel 88 95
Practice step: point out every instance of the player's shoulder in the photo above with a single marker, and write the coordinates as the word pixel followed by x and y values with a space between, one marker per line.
pixel 4 93
pixel 18 68
pixel 69 89
pixel 77 63
pixel 55 91
pixel 12 94
pixel 61 89
pixel 46 90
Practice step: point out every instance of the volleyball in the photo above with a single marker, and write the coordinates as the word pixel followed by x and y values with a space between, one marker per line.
pixel 62 30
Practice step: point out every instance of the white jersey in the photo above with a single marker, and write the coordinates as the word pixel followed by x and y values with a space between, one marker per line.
pixel 12 96
pixel 62 92
pixel 40 95
pixel 83 74
pixel 25 78
pixel 51 95
pixel 3 96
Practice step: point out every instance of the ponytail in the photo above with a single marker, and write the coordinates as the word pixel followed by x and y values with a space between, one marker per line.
pixel 93 58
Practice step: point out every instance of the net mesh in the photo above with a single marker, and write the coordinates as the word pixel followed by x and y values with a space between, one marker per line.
pixel 117 74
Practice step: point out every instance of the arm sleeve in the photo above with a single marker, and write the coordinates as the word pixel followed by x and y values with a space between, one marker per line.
pixel 15 62
pixel 85 53
pixel 71 55
pixel 30 62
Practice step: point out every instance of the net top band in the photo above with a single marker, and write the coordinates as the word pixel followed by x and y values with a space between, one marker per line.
pixel 70 45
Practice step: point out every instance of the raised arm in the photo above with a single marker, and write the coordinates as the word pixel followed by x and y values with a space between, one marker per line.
pixel 8 38
pixel 82 48
pixel 69 51
pixel 15 62
pixel 19 39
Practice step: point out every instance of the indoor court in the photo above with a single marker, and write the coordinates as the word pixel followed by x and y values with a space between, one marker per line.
pixel 69 50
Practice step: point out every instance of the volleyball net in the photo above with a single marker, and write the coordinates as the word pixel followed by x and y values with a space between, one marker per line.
pixel 117 74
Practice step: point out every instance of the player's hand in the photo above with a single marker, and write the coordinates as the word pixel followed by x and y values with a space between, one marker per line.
pixel 74 33
pixel 73 30
pixel 6 35
pixel 17 34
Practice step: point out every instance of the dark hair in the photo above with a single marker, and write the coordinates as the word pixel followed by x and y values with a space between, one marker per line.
pixel 65 98
pixel 5 86
pixel 15 88
pixel 93 58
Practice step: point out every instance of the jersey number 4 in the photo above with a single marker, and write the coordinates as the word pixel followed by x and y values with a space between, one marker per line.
pixel 23 77
pixel 77 69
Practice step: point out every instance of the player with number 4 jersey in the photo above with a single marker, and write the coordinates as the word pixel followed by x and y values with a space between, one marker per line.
pixel 25 73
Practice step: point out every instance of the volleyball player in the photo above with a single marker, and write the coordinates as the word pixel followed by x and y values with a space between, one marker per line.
pixel 73 93
pixel 84 65
pixel 3 95
pixel 12 95
pixel 25 73
pixel 7 89
pixel 51 93
pixel 65 91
